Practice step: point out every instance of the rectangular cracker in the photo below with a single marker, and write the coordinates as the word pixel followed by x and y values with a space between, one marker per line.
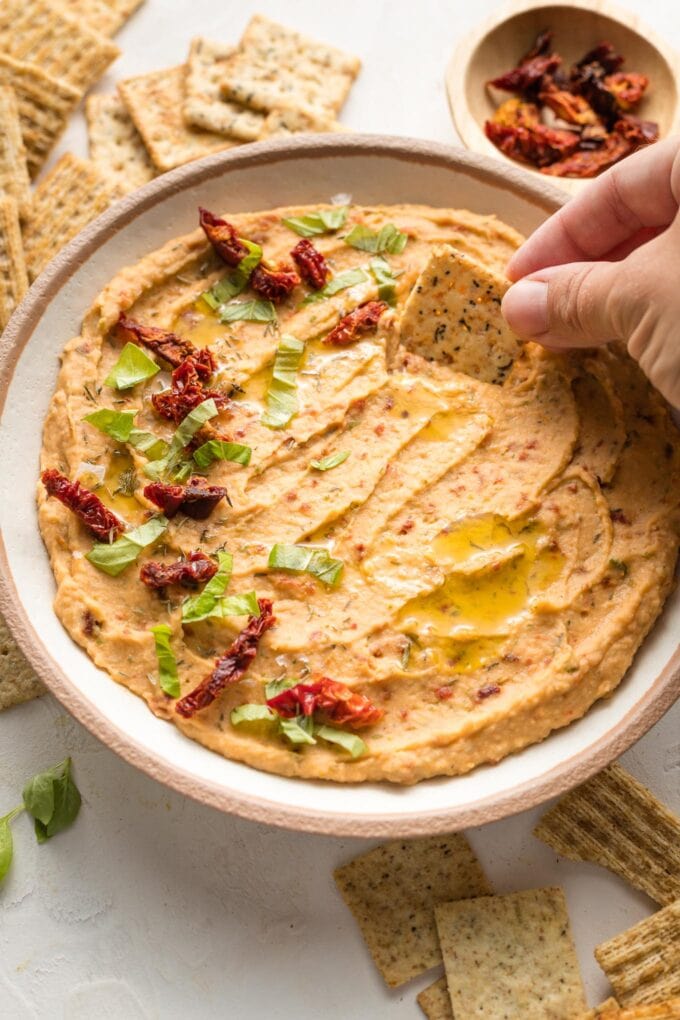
pixel 105 16
pixel 392 890
pixel 40 33
pixel 615 821
pixel 435 1002
pixel 71 195
pixel 44 105
pixel 277 68
pixel 204 106
pixel 18 682
pixel 643 963
pixel 154 101
pixel 511 957
pixel 281 123
pixel 115 145
pixel 14 179
pixel 13 277
pixel 453 315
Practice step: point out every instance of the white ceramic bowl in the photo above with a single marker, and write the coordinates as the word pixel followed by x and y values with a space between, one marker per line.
pixel 307 169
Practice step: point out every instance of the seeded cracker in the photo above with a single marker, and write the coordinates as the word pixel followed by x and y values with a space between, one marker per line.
pixel 71 195
pixel 105 16
pixel 435 1002
pixel 13 279
pixel 615 821
pixel 392 890
pixel 511 957
pixel 281 123
pixel 14 179
pixel 116 146
pixel 38 32
pixel 154 102
pixel 18 682
pixel 276 67
pixel 643 963
pixel 453 315
pixel 204 106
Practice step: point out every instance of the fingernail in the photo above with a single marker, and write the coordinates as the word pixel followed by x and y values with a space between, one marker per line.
pixel 525 307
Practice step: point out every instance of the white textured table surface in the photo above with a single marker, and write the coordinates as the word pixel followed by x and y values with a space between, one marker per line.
pixel 153 906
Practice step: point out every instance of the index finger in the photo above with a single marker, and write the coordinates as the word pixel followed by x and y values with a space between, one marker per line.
pixel 631 196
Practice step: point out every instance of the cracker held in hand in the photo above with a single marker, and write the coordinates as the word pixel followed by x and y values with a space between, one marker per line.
pixel 510 957
pixel 154 101
pixel 116 146
pixel 18 682
pixel 281 123
pixel 643 963
pixel 14 179
pixel 615 821
pixel 204 106
pixel 44 105
pixel 277 68
pixel 65 47
pixel 105 16
pixel 13 278
pixel 392 890
pixel 71 195
pixel 435 1002
pixel 453 315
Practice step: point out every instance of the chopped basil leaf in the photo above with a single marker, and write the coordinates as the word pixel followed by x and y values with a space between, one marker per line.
pixel 251 713
pixel 185 432
pixel 53 800
pixel 348 741
pixel 337 283
pixel 383 276
pixel 323 221
pixel 147 443
pixel 388 238
pixel 113 558
pixel 299 730
pixel 275 687
pixel 6 841
pixel 282 401
pixel 117 424
pixel 332 461
pixel 236 280
pixel 133 366
pixel 244 604
pixel 218 449
pixel 248 311
pixel 199 607
pixel 167 664
pixel 300 558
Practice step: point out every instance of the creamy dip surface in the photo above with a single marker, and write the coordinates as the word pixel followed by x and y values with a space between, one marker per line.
pixel 503 548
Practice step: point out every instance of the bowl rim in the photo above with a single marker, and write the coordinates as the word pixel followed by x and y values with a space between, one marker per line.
pixel 658 697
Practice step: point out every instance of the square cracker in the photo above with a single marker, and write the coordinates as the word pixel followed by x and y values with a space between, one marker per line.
pixel 40 33
pixel 105 16
pixel 510 957
pixel 116 146
pixel 615 821
pixel 13 277
pixel 435 1001
pixel 204 106
pixel 392 890
pixel 44 105
pixel 14 179
pixel 71 195
pixel 18 682
pixel 154 101
pixel 281 123
pixel 643 963
pixel 453 315
pixel 277 68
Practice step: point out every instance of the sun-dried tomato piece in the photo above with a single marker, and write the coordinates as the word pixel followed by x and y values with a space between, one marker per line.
pixel 603 55
pixel 539 145
pixel 274 284
pixel 589 163
pixel 185 393
pixel 628 87
pixel 569 106
pixel 528 77
pixel 231 666
pixel 87 506
pixel 640 132
pixel 167 497
pixel 196 499
pixel 335 701
pixel 172 348
pixel 516 111
pixel 589 82
pixel 541 45
pixel 223 237
pixel 313 267
pixel 362 320
pixel 195 569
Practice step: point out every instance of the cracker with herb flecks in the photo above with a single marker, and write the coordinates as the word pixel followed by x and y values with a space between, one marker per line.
pixel 105 16
pixel 281 123
pixel 154 101
pixel 277 68
pixel 615 821
pixel 71 195
pixel 435 1001
pixel 204 106
pixel 643 963
pixel 38 32
pixel 18 682
pixel 392 890
pixel 14 179
pixel 116 146
pixel 668 1010
pixel 598 1012
pixel 453 315
pixel 13 277
pixel 44 104
pixel 511 957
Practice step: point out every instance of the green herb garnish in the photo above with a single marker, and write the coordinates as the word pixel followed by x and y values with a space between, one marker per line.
pixel 282 401
pixel 114 557
pixel 303 559
pixel 117 424
pixel 6 841
pixel 301 729
pixel 53 800
pixel 183 435
pixel 133 366
pixel 322 221
pixel 332 461
pixel 252 713
pixel 218 449
pixel 337 283
pixel 386 280
pixel 349 742
pixel 235 281
pixel 275 687
pixel 388 239
pixel 167 663
pixel 211 603
pixel 248 311
pixel 619 565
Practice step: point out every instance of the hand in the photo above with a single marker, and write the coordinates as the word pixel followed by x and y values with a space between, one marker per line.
pixel 607 267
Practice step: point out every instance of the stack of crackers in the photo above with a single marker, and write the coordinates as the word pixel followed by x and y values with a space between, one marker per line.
pixel 511 957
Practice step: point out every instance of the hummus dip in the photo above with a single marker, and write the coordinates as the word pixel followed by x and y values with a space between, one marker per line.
pixel 480 559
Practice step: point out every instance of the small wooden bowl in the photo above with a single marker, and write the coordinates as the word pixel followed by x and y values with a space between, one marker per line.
pixel 578 25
